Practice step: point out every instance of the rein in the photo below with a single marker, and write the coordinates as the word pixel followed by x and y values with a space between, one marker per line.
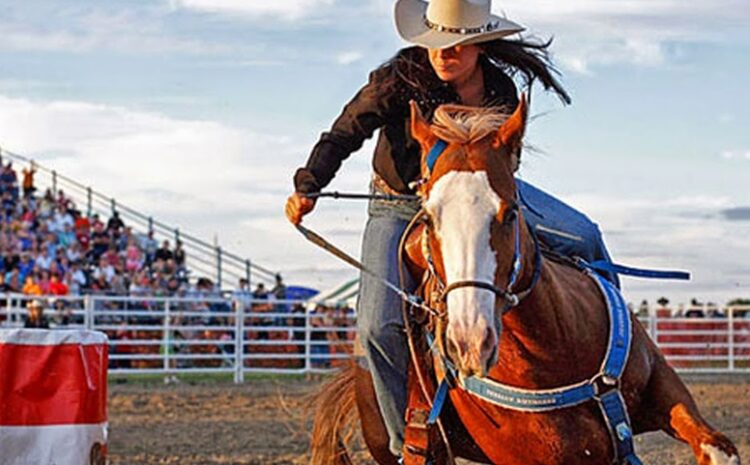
pixel 410 299
pixel 348 195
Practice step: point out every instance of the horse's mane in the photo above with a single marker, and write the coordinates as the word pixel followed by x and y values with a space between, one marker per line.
pixel 463 124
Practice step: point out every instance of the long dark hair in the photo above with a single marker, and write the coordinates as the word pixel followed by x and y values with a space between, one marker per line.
pixel 527 58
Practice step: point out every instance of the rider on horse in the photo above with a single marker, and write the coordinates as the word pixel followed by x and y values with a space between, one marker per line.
pixel 461 55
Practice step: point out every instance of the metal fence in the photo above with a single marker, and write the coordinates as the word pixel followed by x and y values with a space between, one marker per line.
pixel 240 335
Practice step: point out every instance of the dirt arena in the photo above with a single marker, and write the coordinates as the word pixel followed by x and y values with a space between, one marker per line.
pixel 263 422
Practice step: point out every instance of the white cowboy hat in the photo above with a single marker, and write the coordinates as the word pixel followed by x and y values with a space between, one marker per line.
pixel 445 23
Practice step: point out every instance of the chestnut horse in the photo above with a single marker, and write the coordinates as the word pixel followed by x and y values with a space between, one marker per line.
pixel 556 336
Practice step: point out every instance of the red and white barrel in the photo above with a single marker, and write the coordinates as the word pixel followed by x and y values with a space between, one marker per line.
pixel 53 397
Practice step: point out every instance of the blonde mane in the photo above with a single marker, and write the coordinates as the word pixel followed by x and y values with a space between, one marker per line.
pixel 464 125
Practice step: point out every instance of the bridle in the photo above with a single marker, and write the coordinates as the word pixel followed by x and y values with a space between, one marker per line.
pixel 508 294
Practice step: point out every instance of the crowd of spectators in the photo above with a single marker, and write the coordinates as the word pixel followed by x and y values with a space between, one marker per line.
pixel 48 247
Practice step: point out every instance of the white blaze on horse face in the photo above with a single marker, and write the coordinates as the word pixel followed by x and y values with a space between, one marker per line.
pixel 462 205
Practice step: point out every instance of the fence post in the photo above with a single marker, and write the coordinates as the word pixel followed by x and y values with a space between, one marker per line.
pixel 54 183
pixel 176 236
pixel 89 202
pixel 239 341
pixel 88 315
pixel 150 224
pixel 308 338
pixel 248 274
pixel 166 337
pixel 113 206
pixel 730 336
pixel 9 308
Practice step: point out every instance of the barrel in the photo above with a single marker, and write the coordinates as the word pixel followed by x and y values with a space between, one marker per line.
pixel 53 397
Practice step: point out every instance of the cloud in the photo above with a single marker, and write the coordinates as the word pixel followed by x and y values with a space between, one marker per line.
pixel 218 179
pixel 736 154
pixel 285 9
pixel 347 58
pixel 590 33
pixel 737 214
pixel 682 232
pixel 80 31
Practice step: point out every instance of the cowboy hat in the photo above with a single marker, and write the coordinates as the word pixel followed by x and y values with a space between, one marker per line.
pixel 446 23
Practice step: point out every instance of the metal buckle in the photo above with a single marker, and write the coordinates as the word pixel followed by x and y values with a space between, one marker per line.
pixel 604 383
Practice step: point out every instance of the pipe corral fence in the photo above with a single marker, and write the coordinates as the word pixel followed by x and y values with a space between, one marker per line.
pixel 241 335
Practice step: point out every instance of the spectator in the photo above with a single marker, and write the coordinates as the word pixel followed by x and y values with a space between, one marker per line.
pixel 163 253
pixel 57 287
pixel 279 294
pixel 105 270
pixel 99 240
pixel 36 317
pixel 63 312
pixel 115 224
pixel 260 292
pixel 44 260
pixel 133 259
pixel 149 246
pixel 76 279
pixel 30 286
pixel 28 181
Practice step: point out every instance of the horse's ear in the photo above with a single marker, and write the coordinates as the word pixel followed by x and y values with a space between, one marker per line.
pixel 420 128
pixel 511 132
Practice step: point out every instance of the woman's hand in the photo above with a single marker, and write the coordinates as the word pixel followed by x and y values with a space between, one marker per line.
pixel 297 206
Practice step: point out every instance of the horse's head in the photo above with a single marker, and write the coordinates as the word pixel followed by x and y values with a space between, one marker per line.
pixel 470 199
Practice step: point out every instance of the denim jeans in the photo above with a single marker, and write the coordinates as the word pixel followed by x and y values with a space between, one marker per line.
pixel 379 318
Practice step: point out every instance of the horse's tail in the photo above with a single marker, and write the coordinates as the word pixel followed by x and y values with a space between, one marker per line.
pixel 335 417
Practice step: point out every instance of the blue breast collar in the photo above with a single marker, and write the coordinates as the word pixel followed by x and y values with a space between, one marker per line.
pixel 604 387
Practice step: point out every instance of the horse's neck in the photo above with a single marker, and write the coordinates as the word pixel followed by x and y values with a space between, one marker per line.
pixel 557 333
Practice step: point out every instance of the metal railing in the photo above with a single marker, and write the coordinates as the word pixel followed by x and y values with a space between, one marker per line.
pixel 240 335
pixel 236 335
pixel 203 258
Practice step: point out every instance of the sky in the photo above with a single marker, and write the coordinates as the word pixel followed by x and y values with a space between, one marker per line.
pixel 198 112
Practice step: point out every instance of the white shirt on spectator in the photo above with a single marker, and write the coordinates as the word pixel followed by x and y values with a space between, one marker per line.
pixel 43 261
pixel 59 221
pixel 74 254
pixel 77 276
pixel 108 272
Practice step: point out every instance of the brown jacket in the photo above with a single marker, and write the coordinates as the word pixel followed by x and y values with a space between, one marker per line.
pixel 397 154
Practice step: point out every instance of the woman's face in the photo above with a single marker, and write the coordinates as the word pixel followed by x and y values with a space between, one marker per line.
pixel 454 64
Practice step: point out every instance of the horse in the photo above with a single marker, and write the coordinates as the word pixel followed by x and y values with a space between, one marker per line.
pixel 556 335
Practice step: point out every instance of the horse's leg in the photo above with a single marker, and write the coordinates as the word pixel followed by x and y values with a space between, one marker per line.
pixel 670 407
pixel 373 427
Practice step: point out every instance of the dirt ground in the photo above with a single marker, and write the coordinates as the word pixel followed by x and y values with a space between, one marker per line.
pixel 263 422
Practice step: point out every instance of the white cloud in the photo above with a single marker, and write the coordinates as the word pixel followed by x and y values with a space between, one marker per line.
pixel 347 58
pixel 736 154
pixel 123 31
pixel 684 232
pixel 285 9
pixel 638 32
pixel 205 177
